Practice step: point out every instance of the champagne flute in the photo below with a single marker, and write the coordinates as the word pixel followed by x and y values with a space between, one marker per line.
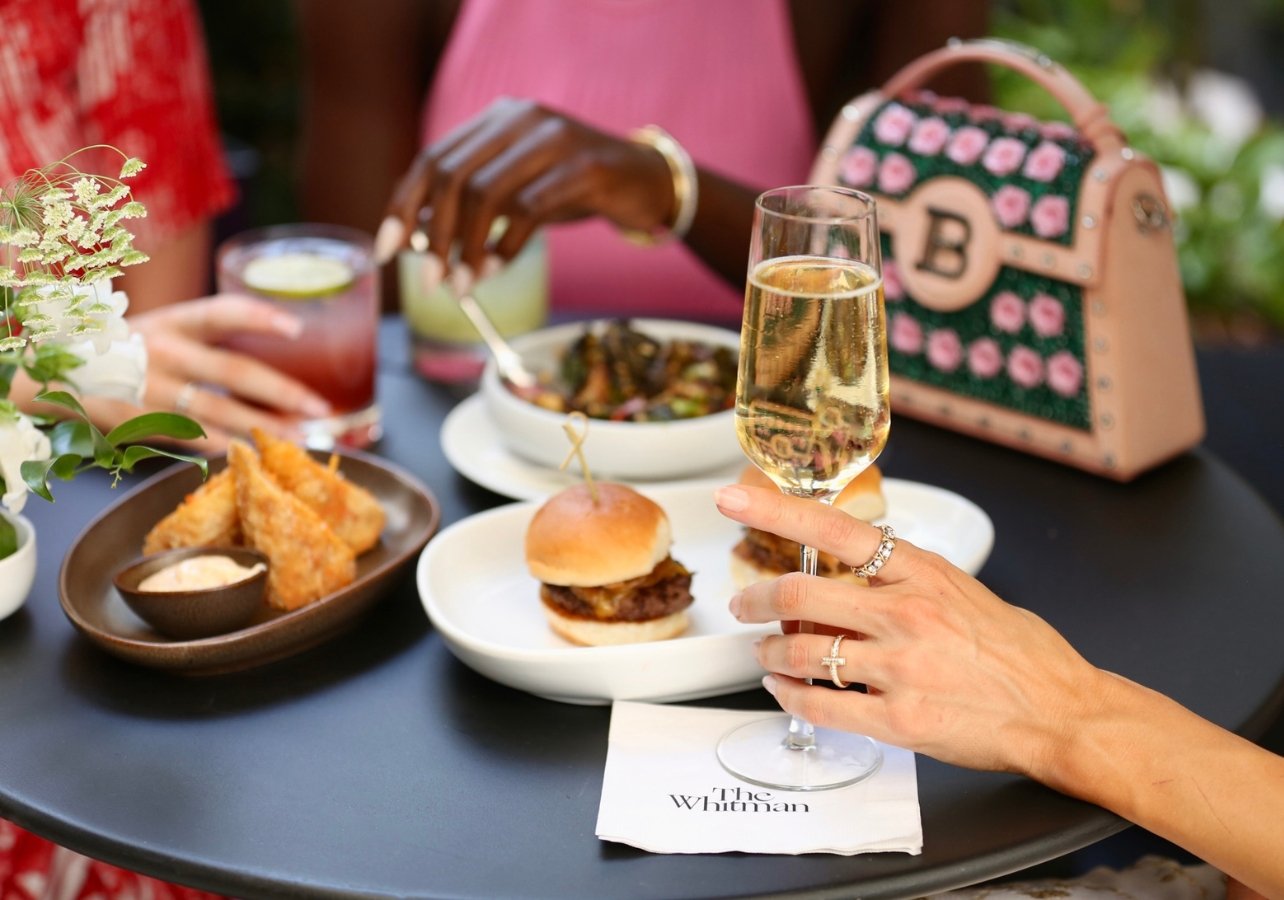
pixel 812 413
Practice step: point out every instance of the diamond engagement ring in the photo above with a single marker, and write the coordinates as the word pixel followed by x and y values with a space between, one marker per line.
pixel 183 399
pixel 881 555
pixel 833 660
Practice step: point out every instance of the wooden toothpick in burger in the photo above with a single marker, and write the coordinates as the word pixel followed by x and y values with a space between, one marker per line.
pixel 577 449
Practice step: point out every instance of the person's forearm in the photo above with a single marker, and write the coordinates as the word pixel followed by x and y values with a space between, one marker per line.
pixel 720 231
pixel 1145 757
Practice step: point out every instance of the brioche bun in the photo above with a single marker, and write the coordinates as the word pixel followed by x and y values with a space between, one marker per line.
pixel 576 542
pixel 596 633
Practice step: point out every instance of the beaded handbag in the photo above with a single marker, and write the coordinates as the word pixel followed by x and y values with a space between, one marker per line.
pixel 1033 295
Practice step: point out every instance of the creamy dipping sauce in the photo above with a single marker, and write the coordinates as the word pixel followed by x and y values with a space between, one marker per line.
pixel 197 573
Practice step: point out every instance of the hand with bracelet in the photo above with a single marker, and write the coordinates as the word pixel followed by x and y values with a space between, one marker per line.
pixel 523 162
pixel 955 672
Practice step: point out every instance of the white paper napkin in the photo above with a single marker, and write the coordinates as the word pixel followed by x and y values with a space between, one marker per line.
pixel 664 791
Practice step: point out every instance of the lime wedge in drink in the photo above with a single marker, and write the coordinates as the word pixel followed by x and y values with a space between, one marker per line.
pixel 297 275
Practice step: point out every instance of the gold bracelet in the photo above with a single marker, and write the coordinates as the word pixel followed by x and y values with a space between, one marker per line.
pixel 685 186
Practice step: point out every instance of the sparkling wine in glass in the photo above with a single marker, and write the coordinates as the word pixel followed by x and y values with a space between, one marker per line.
pixel 812 413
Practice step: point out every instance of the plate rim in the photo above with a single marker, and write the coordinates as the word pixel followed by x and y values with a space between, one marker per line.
pixel 185 655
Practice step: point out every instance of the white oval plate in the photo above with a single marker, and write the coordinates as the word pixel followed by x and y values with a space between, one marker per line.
pixel 475 449
pixel 473 583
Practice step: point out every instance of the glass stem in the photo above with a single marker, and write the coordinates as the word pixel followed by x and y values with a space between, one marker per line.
pixel 802 734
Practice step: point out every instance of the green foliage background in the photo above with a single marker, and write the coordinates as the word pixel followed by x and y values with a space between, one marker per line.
pixel 1231 249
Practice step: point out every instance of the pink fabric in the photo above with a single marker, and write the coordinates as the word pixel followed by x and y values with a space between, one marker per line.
pixel 720 75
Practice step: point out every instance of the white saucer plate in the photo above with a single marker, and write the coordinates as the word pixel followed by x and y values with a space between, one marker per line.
pixel 474 585
pixel 475 449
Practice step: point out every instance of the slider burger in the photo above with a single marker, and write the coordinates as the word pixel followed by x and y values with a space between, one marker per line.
pixel 604 566
pixel 761 555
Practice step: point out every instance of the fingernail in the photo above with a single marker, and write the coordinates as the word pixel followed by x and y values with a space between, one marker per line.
pixel 769 684
pixel 731 498
pixel 431 272
pixel 288 326
pixel 461 279
pixel 734 605
pixel 388 238
pixel 314 407
pixel 491 267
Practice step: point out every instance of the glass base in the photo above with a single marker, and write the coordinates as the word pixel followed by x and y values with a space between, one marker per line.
pixel 759 752
pixel 359 429
pixel 444 362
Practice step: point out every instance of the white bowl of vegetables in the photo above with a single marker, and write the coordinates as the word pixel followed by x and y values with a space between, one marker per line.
pixel 657 395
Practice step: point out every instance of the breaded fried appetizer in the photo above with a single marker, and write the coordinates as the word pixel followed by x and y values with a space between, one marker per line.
pixel 351 511
pixel 306 559
pixel 206 518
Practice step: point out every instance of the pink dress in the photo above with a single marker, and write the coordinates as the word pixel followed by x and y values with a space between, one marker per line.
pixel 721 76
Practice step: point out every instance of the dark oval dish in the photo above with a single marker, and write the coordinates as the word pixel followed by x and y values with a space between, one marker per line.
pixel 92 603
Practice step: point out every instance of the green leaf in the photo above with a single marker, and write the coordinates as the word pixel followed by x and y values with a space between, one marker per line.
pixel 104 453
pixel 155 424
pixel 65 400
pixel 36 473
pixel 8 538
pixel 72 436
pixel 132 456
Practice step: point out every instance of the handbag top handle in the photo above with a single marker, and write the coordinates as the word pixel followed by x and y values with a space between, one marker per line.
pixel 1090 116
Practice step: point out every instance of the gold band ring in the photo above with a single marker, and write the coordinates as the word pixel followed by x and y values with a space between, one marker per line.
pixel 833 660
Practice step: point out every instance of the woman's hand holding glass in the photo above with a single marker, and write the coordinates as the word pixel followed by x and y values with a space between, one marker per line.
pixel 952 670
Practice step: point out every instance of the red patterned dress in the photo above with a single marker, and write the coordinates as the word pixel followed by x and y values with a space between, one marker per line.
pixel 131 73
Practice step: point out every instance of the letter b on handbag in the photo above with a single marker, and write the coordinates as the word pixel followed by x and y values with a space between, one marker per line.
pixel 1033 295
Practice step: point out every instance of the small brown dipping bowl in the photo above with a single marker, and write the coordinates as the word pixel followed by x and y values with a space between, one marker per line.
pixel 187 615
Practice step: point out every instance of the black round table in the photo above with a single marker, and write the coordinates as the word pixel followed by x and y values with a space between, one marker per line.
pixel 378 765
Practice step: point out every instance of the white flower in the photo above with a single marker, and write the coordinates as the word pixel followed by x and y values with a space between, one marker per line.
pixel 1162 109
pixel 20 440
pixel 119 372
pixel 1271 198
pixel 1226 104
pixel 1181 189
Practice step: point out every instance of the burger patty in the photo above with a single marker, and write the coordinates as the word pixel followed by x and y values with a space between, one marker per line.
pixel 776 554
pixel 664 590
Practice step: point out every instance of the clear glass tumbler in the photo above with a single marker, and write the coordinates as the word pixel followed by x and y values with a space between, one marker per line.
pixel 325 275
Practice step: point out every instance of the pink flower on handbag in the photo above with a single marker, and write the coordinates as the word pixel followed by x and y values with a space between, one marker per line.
pixel 1003 156
pixel 858 167
pixel 1050 216
pixel 1065 373
pixel 944 349
pixel 1025 367
pixel 907 334
pixel 893 287
pixel 929 136
pixel 1058 131
pixel 966 145
pixel 983 113
pixel 893 124
pixel 947 105
pixel 984 357
pixel 1007 312
pixel 1047 315
pixel 896 175
pixel 1044 162
pixel 1011 205
pixel 1019 121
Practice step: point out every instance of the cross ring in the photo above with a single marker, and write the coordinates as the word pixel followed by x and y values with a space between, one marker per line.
pixel 833 660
